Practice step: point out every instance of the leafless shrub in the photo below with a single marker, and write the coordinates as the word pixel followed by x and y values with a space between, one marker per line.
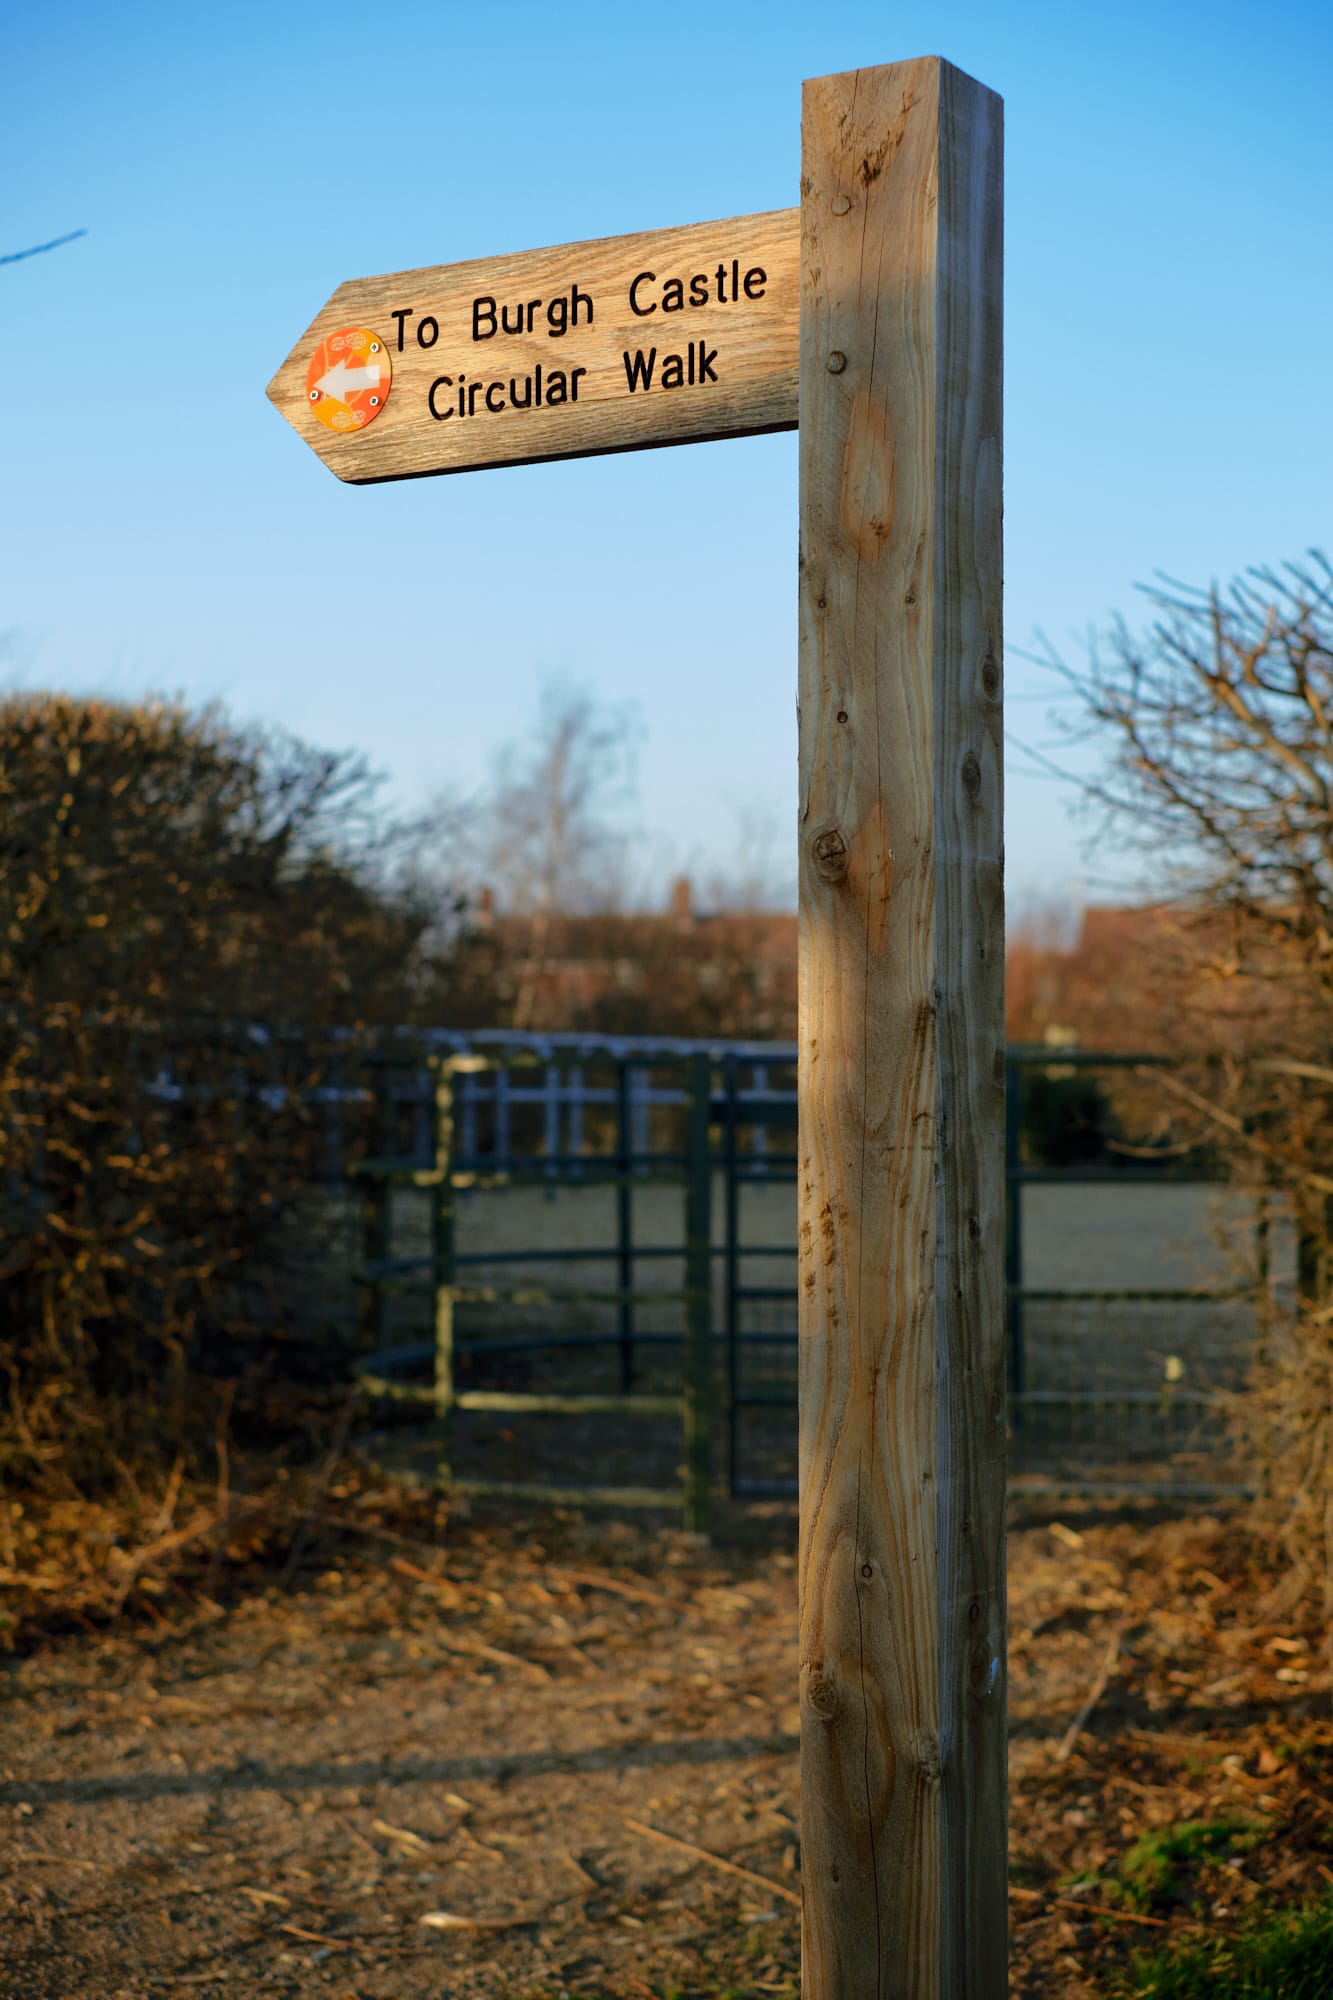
pixel 1221 773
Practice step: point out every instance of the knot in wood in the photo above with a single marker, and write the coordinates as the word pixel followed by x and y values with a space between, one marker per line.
pixel 821 1696
pixel 830 852
pixel 990 676
pixel 983 1669
pixel 927 1754
pixel 972 774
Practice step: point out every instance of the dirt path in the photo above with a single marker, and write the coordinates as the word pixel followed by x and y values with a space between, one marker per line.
pixel 415 1774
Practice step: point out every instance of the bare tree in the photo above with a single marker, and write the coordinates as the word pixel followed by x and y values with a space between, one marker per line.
pixel 556 834
pixel 760 870
pixel 556 839
pixel 1221 771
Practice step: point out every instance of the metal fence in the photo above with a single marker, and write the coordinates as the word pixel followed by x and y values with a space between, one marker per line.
pixel 1132 1274
pixel 1131 1291
pixel 1124 1359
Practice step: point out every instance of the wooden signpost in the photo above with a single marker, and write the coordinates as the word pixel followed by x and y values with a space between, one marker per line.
pixel 689 334
pixel 901 1039
pixel 671 337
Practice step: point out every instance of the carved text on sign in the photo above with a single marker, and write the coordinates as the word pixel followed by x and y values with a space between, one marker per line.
pixel 669 337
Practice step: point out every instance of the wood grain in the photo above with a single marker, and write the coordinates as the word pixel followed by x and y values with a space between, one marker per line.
pixel 901 1040
pixel 750 344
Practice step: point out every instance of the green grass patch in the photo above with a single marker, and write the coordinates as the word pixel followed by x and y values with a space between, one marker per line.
pixel 1287 1955
pixel 1155 1870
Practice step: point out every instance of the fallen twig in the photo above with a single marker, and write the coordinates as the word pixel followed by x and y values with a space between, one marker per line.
pixel 637 1592
pixel 402 1834
pixel 358 1836
pixel 401 1567
pixel 329 1517
pixel 445 1920
pixel 377 1943
pixel 177 1979
pixel 202 1524
pixel 318 1937
pixel 1184 1745
pixel 37 1854
pixel 463 1642
pixel 1088 1909
pixel 715 1860
pixel 1099 1686
pixel 588 1881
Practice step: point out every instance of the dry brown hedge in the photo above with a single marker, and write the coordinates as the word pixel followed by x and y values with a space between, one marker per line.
pixel 197 921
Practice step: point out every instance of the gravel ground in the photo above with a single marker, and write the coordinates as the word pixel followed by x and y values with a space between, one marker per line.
pixel 425 1767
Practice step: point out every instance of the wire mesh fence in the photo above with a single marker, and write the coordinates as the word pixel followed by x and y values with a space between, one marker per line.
pixel 1131 1300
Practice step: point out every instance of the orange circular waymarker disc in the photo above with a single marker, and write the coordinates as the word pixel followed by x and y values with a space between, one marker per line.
pixel 349 378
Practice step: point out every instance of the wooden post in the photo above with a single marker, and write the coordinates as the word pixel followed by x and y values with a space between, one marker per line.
pixel 901 1040
pixel 625 1223
pixel 377 1219
pixel 698 1354
pixel 443 1072
pixel 1013 1239
pixel 375 1242
pixel 1263 1301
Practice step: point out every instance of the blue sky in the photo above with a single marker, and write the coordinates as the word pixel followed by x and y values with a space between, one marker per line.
pixel 1169 301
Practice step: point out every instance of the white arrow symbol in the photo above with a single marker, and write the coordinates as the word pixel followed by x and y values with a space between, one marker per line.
pixel 342 381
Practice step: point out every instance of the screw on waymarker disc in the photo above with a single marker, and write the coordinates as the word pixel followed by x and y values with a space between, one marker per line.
pixel 349 378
